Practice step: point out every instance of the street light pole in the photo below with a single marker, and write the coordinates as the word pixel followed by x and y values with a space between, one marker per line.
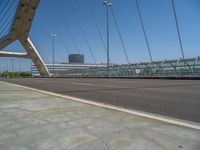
pixel 53 51
pixel 107 4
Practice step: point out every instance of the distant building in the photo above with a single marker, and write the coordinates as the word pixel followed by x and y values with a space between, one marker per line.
pixel 64 69
pixel 76 59
pixel 76 62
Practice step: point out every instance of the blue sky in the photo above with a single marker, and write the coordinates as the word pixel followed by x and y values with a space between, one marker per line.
pixel 158 20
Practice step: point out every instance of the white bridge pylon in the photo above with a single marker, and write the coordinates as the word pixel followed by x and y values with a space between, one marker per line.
pixel 19 30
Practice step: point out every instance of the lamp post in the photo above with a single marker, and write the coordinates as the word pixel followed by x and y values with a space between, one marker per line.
pixel 53 51
pixel 107 4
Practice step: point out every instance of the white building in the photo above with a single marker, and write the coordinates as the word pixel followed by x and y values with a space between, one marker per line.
pixel 64 68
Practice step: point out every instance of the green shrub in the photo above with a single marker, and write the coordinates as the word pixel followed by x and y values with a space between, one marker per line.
pixel 16 74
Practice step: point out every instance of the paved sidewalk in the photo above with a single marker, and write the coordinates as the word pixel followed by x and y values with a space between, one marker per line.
pixel 37 121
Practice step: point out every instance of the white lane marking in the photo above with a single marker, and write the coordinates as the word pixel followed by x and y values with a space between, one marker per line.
pixel 79 83
pixel 97 85
pixel 170 120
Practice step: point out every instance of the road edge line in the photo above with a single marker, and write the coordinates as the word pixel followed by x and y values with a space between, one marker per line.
pixel 157 117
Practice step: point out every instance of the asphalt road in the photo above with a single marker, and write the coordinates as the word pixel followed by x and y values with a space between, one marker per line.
pixel 174 98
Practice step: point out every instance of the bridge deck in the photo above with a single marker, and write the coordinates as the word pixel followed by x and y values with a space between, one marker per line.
pixel 173 98
pixel 33 120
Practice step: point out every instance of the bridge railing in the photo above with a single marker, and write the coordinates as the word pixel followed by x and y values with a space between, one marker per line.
pixel 167 68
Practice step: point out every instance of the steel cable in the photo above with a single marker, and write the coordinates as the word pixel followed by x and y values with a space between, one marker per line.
pixel 144 31
pixel 1 4
pixel 2 18
pixel 6 27
pixel 178 29
pixel 59 57
pixel 120 35
pixel 83 32
pixel 4 7
pixel 67 29
pixel 7 16
pixel 96 25
pixel 63 43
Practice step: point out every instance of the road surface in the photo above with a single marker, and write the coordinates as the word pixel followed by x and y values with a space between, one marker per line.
pixel 173 98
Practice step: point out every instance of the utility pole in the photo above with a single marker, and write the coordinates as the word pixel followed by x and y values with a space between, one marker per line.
pixel 53 51
pixel 107 4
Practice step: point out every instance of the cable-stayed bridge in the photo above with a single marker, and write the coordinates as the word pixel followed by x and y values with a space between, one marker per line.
pixel 17 18
pixel 93 111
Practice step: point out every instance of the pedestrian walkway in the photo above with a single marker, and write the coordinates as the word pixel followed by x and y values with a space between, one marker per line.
pixel 30 120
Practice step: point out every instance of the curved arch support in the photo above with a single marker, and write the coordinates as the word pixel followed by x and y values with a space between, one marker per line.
pixel 19 30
